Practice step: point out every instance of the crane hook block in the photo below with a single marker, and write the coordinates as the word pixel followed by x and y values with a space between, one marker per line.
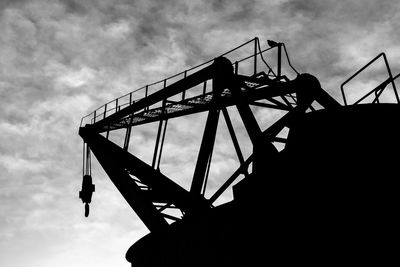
pixel 87 191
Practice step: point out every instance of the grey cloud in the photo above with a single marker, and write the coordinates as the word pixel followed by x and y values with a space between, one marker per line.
pixel 10 3
pixel 352 13
pixel 74 6
pixel 309 8
pixel 235 11
pixel 61 59
pixel 328 31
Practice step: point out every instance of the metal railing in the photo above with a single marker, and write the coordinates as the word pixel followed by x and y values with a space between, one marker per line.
pixel 128 99
pixel 377 90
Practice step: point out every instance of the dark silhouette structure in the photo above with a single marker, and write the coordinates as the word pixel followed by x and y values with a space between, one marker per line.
pixel 329 196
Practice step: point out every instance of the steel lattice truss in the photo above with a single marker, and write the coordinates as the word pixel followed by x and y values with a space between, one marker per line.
pixel 211 88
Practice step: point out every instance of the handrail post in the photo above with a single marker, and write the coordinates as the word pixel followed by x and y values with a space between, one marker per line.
pixel 255 56
pixel 391 77
pixel 184 92
pixel 105 111
pixel 145 95
pixel 279 60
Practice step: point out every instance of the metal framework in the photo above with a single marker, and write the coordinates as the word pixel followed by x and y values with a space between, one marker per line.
pixel 210 87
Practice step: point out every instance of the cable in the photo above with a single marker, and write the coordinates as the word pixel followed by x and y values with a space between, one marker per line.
pixel 262 58
pixel 83 159
pixel 287 57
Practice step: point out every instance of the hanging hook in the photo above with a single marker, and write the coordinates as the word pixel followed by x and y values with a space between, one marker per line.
pixel 87 191
pixel 87 185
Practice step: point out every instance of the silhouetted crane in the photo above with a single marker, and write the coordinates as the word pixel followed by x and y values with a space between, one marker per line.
pixel 328 196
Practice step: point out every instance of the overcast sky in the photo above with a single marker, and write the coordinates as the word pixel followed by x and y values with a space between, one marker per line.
pixel 59 60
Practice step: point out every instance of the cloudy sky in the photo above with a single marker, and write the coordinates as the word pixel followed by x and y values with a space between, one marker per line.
pixel 61 59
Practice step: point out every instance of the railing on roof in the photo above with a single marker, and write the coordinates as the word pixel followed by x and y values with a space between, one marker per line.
pixel 128 99
pixel 378 89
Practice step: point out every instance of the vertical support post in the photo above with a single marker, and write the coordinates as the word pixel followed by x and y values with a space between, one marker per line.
pixel 116 105
pixel 236 67
pixel 184 92
pixel 127 137
pixel 130 98
pixel 162 145
pixel 222 76
pixel 255 55
pixel 94 116
pixel 391 77
pixel 279 60
pixel 145 95
pixel 153 164
pixel 160 135
pixel 205 152
pixel 105 111
pixel 204 87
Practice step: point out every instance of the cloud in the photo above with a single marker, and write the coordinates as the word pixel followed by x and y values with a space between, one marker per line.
pixel 75 78
pixel 62 59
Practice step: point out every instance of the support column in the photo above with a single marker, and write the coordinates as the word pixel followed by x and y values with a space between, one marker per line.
pixel 206 148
